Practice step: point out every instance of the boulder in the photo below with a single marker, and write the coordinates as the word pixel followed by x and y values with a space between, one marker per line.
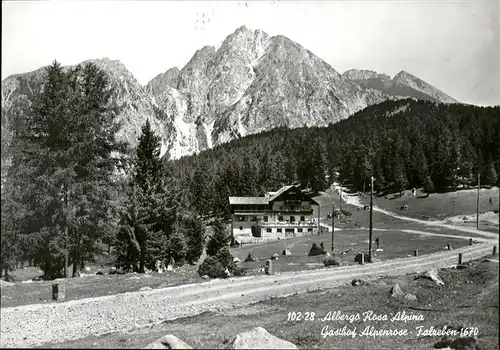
pixel 205 277
pixel 5 284
pixel 145 288
pixel 357 282
pixel 410 297
pixel 99 273
pixel 275 256
pixel 396 290
pixel 286 252
pixel 433 276
pixel 448 342
pixel 249 258
pixel 112 270
pixel 168 342
pixel 87 269
pixel 357 258
pixel 330 261
pixel 236 260
pixel 259 338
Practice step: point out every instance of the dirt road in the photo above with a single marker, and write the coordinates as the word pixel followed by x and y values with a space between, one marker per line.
pixel 32 325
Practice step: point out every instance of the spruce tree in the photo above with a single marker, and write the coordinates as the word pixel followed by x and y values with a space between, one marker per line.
pixel 65 167
pixel 146 233
pixel 219 239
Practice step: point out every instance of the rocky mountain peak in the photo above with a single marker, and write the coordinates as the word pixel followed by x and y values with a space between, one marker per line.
pixel 251 83
pixel 416 83
pixel 358 74
pixel 163 80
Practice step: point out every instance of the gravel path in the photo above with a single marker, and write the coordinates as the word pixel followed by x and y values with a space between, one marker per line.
pixel 33 325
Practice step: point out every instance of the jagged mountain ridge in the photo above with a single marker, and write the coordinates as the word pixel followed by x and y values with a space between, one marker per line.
pixel 255 82
pixel 252 82
pixel 420 85
pixel 410 87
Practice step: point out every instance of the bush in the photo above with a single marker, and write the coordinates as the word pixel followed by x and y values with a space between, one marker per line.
pixel 224 257
pixel 346 212
pixel 239 271
pixel 329 261
pixel 212 268
pixel 315 250
pixel 249 258
pixel 234 243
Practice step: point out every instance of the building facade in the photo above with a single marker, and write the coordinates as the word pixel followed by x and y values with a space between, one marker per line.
pixel 284 214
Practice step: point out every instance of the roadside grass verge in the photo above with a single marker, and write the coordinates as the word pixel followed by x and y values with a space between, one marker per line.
pixel 469 298
pixel 439 206
pixel 96 286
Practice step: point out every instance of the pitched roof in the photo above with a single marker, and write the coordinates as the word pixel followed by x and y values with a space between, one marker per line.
pixel 249 200
pixel 280 192
pixel 263 200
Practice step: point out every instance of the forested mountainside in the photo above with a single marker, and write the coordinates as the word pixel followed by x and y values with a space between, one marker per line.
pixel 253 82
pixel 404 144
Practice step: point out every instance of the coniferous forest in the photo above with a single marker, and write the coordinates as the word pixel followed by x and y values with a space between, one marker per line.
pixel 72 187
pixel 403 144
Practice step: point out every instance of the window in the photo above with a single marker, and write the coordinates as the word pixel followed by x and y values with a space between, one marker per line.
pixel 241 228
pixel 280 218
pixel 300 230
pixel 302 218
pixel 309 230
pixel 253 218
pixel 279 230
pixel 289 230
pixel 266 218
pixel 268 230
pixel 241 218
pixel 292 218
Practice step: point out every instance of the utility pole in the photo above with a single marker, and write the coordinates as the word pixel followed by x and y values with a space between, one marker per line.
pixel 340 201
pixel 371 222
pixel 477 211
pixel 333 224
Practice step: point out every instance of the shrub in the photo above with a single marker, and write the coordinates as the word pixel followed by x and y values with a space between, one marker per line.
pixel 219 238
pixel 346 212
pixel 315 250
pixel 224 257
pixel 329 261
pixel 212 268
pixel 239 271
pixel 249 258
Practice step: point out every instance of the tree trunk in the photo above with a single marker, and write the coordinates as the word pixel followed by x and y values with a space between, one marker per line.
pixel 141 263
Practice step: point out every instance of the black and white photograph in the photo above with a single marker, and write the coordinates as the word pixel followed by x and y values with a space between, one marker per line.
pixel 260 174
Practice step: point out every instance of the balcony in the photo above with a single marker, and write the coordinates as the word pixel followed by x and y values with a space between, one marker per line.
pixel 288 224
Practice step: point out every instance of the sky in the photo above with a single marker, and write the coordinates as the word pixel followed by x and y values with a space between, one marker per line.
pixel 453 45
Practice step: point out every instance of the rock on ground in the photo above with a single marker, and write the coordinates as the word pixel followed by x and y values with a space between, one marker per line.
pixel 357 258
pixel 433 276
pixel 259 338
pixel 410 297
pixel 330 261
pixel 168 342
pixel 396 290
pixel 5 284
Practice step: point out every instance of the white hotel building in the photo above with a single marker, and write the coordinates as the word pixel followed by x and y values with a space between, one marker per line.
pixel 286 213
